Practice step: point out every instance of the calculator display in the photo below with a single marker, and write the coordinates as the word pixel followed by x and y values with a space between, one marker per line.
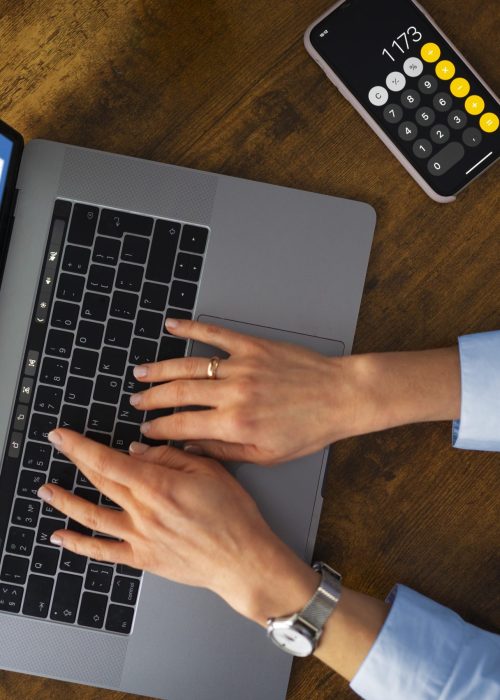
pixel 404 72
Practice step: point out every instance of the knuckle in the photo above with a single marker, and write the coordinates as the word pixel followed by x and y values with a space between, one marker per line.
pixel 191 365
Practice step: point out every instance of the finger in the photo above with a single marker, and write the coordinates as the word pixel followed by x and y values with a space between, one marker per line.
pixel 217 449
pixel 181 368
pixel 165 455
pixel 185 425
pixel 98 518
pixel 182 392
pixel 99 548
pixel 219 337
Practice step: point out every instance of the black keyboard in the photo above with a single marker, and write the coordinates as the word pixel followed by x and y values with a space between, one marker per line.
pixel 110 278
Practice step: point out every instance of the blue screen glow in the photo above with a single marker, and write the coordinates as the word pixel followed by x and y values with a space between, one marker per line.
pixel 6 146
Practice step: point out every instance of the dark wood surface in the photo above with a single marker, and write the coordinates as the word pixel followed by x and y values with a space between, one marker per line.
pixel 226 85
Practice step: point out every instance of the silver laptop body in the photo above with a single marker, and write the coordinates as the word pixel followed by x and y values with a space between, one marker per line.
pixel 280 263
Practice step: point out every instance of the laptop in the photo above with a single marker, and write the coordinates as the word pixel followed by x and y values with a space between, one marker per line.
pixel 97 249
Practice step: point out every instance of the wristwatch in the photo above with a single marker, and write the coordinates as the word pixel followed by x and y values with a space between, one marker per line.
pixel 299 634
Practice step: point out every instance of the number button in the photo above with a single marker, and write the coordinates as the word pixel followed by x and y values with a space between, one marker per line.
pixel 427 84
pixel 422 148
pixel 442 102
pixel 489 122
pixel 445 70
pixel 440 134
pixel 395 81
pixel 393 114
pixel 407 131
pixel 472 137
pixel 425 116
pixel 474 104
pixel 430 52
pixel 410 99
pixel 457 119
pixel 378 96
pixel 447 157
pixel 413 67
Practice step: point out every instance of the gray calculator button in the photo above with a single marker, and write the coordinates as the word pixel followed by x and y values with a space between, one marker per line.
pixel 442 101
pixel 428 84
pixel 472 137
pixel 410 99
pixel 407 131
pixel 393 114
pixel 457 119
pixel 422 148
pixel 440 134
pixel 446 158
pixel 425 116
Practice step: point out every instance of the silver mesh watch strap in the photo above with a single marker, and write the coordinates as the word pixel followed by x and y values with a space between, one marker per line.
pixel 323 603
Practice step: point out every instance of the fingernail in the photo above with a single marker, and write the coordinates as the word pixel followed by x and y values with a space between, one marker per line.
pixel 138 448
pixel 135 399
pixel 44 493
pixel 145 428
pixel 55 438
pixel 56 539
pixel 193 449
pixel 140 372
pixel 171 323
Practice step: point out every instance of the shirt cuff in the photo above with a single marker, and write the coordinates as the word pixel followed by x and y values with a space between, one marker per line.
pixel 479 424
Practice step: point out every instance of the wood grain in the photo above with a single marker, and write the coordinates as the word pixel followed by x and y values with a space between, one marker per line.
pixel 228 87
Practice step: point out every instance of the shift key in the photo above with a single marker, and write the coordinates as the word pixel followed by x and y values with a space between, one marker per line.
pixel 66 598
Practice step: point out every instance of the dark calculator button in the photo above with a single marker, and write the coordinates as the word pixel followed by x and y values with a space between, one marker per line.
pixel 14 569
pixel 107 389
pixel 78 390
pixel 73 417
pixel 66 597
pixel 95 306
pixel 427 84
pixel 29 483
pixel 118 333
pixel 100 279
pixel 142 351
pixel 129 277
pixel 99 578
pixel 194 239
pixel 393 113
pixel 37 456
pixel 65 315
pixel 127 412
pixel 15 445
pixel 31 363
pixel 176 313
pixel 125 433
pixel 10 597
pixel 135 249
pixel 163 249
pixel 128 570
pixel 53 371
pixel 183 294
pixel 157 413
pixel 62 474
pixel 70 287
pixel 188 267
pixel 84 362
pixel 76 259
pixel 82 227
pixel 457 119
pixel 20 541
pixel 21 417
pixel 92 610
pixel 88 494
pixel 106 251
pixel 440 134
pixel 171 348
pixel 447 157
pixel 25 512
pixel 113 361
pixel 89 334
pixel 26 390
pixel 131 383
pixel 410 99
pixel 116 223
pixel 125 590
pixel 124 305
pixel 103 439
pixel 70 561
pixel 472 137
pixel 148 324
pixel 48 399
pixel 44 560
pixel 41 426
pixel 407 131
pixel 442 101
pixel 154 296
pixel 425 116
pixel 38 593
pixel 59 343
pixel 119 619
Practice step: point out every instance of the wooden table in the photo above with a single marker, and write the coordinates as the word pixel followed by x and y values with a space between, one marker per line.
pixel 226 85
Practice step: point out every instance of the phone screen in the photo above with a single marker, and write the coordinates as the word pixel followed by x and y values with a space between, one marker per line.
pixel 383 52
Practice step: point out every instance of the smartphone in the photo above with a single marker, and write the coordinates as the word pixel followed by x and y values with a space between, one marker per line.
pixel 391 61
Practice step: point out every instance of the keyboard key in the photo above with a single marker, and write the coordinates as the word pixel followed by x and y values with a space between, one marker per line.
pixel 176 313
pixel 102 417
pixel 407 131
pixel 124 305
pixel 48 399
pixel 131 384
pixel 100 279
pixel 105 501
pixel 118 333
pixel 88 494
pixel 171 348
pixel 21 417
pixel 78 390
pixel 194 239
pixel 127 570
pixel 53 371
pixel 73 417
pixel 99 578
pixel 392 113
pixel 25 512
pixel 82 227
pixel 45 529
pixel 135 249
pixel 154 296
pixel 41 426
pixel 163 249
pixel 10 597
pixel 102 438
pixel 29 483
pixel 20 541
pixel 446 158
pixel 116 223
pixel 66 597
pixel 410 99
pixel 113 361
pixel 44 560
pixel 84 362
pixel 107 389
pixel 15 445
pixel 37 456
pixel 125 433
pixel 128 412
pixel 148 324
pixel 62 474
pixel 59 343
pixel 70 561
pixel 442 102
pixel 76 259
pixel 52 512
pixel 440 134
pixel 188 267
pixel 92 610
pixel 183 294
pixel 14 569
pixel 95 306
pixel 70 287
pixel 457 119
pixel 89 334
pixel 125 590
pixel 65 315
pixel 38 593
pixel 427 84
pixel 78 527
pixel 129 277
pixel 142 351
pixel 119 619
pixel 26 390
pixel 31 364
pixel 106 251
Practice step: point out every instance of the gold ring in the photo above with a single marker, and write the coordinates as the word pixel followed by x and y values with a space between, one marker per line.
pixel 212 368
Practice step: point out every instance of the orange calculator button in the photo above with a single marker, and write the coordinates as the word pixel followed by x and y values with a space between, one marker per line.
pixel 430 52
pixel 488 122
pixel 474 104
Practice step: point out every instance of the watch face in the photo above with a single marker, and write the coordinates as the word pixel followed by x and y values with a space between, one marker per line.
pixel 293 641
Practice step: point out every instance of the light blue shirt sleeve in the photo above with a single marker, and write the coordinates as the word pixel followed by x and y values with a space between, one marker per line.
pixel 479 424
pixel 425 651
